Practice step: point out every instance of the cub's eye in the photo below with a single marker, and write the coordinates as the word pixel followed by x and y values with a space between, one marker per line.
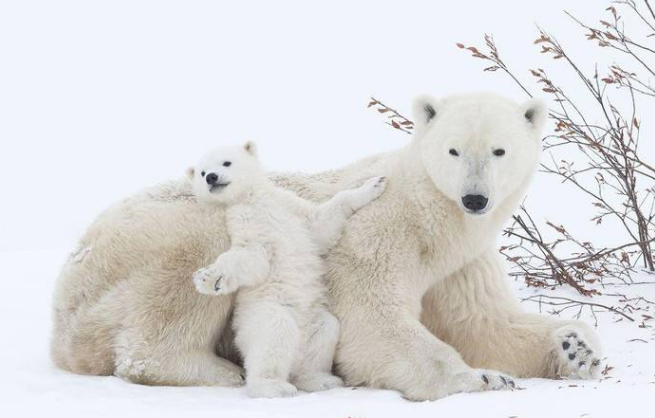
pixel 202 174
pixel 227 163
pixel 499 152
pixel 453 151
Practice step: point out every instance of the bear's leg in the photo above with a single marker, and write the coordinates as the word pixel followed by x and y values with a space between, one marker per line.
pixel 392 350
pixel 171 363
pixel 267 335
pixel 84 344
pixel 168 332
pixel 476 312
pixel 312 370
pixel 382 342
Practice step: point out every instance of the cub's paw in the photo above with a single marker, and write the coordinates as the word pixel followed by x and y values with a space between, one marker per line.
pixel 374 187
pixel 576 353
pixel 214 280
pixel 270 388
pixel 318 382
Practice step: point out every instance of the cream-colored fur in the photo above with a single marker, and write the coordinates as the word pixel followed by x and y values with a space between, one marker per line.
pixel 283 329
pixel 415 280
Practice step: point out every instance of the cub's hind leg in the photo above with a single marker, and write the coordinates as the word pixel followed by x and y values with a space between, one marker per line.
pixel 267 335
pixel 312 370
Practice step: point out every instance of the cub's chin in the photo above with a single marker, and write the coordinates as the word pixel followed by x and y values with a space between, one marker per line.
pixel 217 188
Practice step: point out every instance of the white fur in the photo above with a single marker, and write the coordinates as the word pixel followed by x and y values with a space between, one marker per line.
pixel 283 328
pixel 415 281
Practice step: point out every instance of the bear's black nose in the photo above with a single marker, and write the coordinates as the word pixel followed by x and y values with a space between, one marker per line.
pixel 474 202
pixel 211 178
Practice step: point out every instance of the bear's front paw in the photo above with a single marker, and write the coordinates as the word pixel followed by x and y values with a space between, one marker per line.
pixel 576 353
pixel 214 280
pixel 465 381
pixel 493 380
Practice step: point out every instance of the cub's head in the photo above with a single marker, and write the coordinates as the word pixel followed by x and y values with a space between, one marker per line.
pixel 223 174
pixel 479 149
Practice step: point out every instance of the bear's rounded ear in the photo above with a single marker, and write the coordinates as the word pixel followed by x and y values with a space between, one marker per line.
pixel 425 110
pixel 251 148
pixel 535 112
pixel 190 172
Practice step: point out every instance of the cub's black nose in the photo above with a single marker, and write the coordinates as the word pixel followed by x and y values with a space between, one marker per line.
pixel 475 202
pixel 211 178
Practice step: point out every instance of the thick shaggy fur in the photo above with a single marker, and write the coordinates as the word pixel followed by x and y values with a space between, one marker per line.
pixel 282 326
pixel 415 280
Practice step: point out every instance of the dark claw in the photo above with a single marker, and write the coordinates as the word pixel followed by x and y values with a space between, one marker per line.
pixel 572 335
pixel 595 363
pixel 582 363
pixel 566 345
pixel 504 380
pixel 217 284
pixel 589 352
pixel 485 379
pixel 571 356
pixel 512 384
pixel 582 344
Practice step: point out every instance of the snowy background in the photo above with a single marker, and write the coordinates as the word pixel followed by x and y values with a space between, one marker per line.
pixel 99 99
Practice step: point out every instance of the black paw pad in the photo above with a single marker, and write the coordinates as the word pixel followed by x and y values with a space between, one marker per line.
pixel 572 356
pixel 572 335
pixel 566 345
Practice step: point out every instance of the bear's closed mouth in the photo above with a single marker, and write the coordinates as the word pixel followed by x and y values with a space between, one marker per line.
pixel 217 187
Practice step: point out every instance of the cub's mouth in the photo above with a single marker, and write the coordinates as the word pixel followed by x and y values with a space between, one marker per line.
pixel 217 187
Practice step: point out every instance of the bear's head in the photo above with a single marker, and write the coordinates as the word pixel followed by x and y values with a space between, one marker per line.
pixel 478 149
pixel 224 174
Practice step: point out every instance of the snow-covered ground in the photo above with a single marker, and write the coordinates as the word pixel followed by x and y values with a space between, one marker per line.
pixel 31 386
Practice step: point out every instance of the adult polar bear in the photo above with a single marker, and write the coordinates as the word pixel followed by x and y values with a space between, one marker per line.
pixel 415 280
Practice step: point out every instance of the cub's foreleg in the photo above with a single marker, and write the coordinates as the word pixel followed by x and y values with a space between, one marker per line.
pixel 238 267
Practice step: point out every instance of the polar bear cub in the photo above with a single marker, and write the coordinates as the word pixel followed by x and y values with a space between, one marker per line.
pixel 283 329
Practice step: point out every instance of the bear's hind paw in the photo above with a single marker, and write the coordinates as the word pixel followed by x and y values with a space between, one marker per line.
pixel 575 355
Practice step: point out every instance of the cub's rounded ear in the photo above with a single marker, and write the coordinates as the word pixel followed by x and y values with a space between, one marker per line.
pixel 251 148
pixel 425 111
pixel 190 172
pixel 535 112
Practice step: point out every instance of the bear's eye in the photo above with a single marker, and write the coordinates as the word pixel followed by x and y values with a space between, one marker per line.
pixel 227 163
pixel 202 174
pixel 499 152
pixel 453 151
